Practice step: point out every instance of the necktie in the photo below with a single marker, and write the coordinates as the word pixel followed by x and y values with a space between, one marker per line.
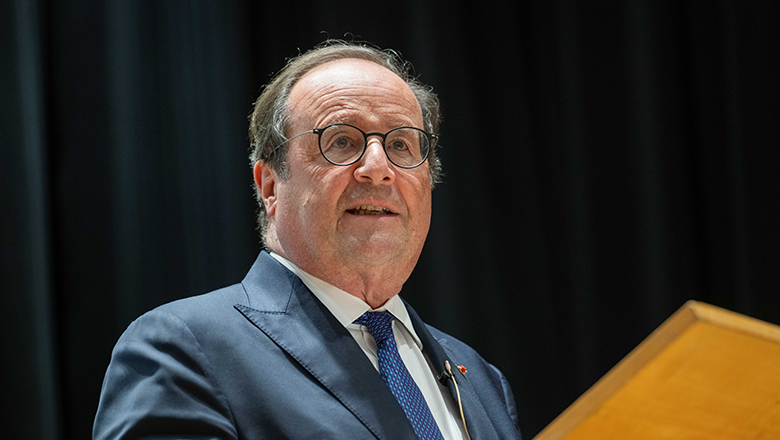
pixel 397 377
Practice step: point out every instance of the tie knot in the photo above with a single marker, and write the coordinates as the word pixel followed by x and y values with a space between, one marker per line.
pixel 379 324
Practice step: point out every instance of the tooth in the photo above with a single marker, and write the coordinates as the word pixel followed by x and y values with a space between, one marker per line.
pixel 371 210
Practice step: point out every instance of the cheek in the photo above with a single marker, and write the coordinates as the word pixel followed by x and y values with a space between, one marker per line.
pixel 417 192
pixel 425 216
pixel 322 198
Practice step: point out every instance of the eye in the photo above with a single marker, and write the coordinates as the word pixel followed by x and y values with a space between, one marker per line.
pixel 341 142
pixel 399 145
pixel 341 137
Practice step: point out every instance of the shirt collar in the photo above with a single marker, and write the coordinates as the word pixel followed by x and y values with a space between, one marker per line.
pixel 346 307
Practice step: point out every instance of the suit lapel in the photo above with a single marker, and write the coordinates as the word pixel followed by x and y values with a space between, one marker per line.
pixel 438 352
pixel 283 308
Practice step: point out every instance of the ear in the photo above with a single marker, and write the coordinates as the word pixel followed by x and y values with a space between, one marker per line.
pixel 265 179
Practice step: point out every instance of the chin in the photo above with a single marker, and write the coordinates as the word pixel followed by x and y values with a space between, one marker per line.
pixel 380 251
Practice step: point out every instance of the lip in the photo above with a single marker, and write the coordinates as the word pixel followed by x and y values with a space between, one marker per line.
pixel 371 208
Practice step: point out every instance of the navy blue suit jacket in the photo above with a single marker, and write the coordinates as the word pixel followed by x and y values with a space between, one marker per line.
pixel 265 359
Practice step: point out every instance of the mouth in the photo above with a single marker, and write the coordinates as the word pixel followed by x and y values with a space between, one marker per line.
pixel 370 210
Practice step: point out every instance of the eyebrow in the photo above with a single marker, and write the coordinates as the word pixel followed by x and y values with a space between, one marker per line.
pixel 351 121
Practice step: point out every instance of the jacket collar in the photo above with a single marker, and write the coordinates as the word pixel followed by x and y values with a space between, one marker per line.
pixel 439 352
pixel 283 308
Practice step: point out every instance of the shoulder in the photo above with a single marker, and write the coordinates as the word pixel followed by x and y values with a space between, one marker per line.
pixel 266 286
pixel 172 344
pixel 208 306
pixel 488 381
pixel 465 355
pixel 452 342
pixel 200 310
pixel 185 319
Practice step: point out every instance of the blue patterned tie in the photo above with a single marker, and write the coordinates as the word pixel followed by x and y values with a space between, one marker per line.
pixel 397 377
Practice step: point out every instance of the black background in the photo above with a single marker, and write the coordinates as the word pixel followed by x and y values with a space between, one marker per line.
pixel 605 162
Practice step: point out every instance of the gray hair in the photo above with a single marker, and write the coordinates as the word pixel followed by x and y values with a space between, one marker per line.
pixel 270 116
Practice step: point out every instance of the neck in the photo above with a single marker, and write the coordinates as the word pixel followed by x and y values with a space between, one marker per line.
pixel 375 284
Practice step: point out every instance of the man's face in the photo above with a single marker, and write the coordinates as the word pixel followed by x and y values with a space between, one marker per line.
pixel 319 215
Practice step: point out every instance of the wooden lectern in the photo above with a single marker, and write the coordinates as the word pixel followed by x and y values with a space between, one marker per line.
pixel 704 374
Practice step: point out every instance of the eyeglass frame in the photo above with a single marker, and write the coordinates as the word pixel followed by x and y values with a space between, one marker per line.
pixel 434 140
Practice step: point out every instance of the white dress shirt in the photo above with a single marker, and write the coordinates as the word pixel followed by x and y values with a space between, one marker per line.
pixel 347 308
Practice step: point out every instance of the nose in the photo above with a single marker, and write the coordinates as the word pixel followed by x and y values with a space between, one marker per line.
pixel 374 167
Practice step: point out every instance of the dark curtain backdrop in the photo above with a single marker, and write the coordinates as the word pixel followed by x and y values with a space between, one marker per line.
pixel 605 162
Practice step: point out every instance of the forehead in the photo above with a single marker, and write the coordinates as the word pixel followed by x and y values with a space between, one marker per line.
pixel 353 90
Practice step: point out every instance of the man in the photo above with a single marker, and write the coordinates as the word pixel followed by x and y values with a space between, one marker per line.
pixel 344 163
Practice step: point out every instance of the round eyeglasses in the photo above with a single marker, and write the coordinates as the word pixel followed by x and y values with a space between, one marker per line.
pixel 344 144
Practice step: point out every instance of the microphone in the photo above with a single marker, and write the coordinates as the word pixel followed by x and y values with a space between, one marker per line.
pixel 447 374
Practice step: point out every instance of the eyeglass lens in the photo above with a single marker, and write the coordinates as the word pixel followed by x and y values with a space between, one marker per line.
pixel 343 144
